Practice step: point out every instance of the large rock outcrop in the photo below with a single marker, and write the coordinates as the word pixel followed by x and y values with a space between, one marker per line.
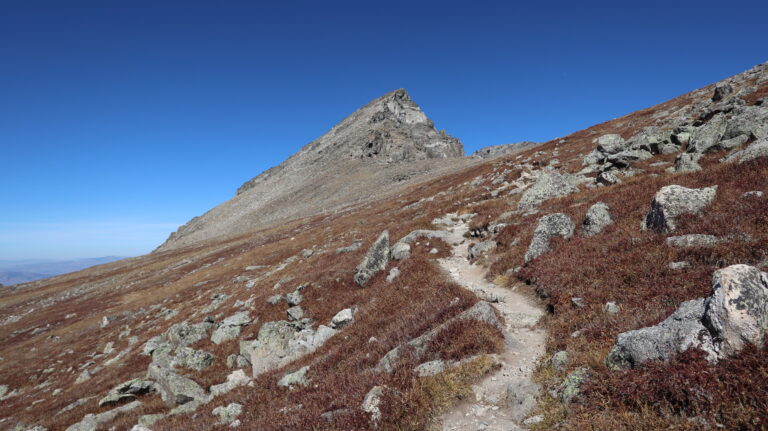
pixel 673 201
pixel 386 143
pixel 549 226
pixel 736 314
pixel 374 261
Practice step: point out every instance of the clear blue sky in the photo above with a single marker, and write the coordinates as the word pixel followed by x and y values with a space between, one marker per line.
pixel 120 120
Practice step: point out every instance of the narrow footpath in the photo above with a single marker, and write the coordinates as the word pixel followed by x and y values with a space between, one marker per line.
pixel 503 399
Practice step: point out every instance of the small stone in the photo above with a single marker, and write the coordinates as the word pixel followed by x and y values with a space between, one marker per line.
pixel 275 299
pixel 678 265
pixel 228 414
pixel 342 318
pixel 534 420
pixel 393 273
pixel 578 302
pixel 559 360
pixel 295 313
pixel 611 307
pixel 296 378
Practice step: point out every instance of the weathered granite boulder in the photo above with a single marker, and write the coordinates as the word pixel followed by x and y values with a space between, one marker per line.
pixel 228 414
pixel 296 378
pixel 551 225
pixel 737 310
pixel 673 201
pixel 174 388
pixel 753 151
pixel 597 218
pixel 401 250
pixel 424 233
pixel 734 315
pixel 481 248
pixel 342 318
pixel 374 261
pixel 549 185
pixel 693 240
pixel 127 390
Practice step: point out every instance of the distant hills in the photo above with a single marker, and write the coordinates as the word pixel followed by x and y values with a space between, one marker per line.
pixel 21 271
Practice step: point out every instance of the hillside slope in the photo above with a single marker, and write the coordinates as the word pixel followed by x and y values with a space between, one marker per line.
pixel 295 325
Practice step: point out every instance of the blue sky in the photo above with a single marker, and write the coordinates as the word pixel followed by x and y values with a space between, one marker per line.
pixel 121 120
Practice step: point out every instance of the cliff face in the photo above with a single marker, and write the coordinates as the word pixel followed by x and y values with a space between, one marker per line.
pixel 379 145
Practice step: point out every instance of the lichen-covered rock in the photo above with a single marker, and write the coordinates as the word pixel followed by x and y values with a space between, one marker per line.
pixel 626 158
pixel 372 403
pixel 374 261
pixel 549 185
pixel 235 379
pixel 127 390
pixel 225 333
pixel 92 422
pixel 424 233
pixel 551 225
pixel 350 248
pixel 296 378
pixel 737 310
pixel 611 144
pixel 481 248
pixel 736 314
pixel 753 151
pixel 185 334
pixel 174 388
pixel 706 137
pixel 393 273
pixel 693 240
pixel 342 318
pixel 673 201
pixel 295 313
pixel 401 250
pixel 571 386
pixel 607 178
pixel 192 359
pixel 597 218
pixel 679 332
pixel 687 162
pixel 228 414
pixel 521 397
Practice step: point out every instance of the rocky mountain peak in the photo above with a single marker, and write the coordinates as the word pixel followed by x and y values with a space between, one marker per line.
pixel 379 145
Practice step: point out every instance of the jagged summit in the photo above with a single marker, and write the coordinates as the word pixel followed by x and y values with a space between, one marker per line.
pixel 384 142
pixel 391 128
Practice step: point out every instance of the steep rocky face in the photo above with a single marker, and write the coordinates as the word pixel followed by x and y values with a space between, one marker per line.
pixel 386 142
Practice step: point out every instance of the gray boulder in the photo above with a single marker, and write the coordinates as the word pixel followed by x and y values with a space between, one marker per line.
pixel 228 414
pixel 92 422
pixel 127 390
pixel 185 334
pixel 596 219
pixel 374 261
pixel 350 248
pixel 677 333
pixel 229 329
pixel 549 185
pixel 295 313
pixel 755 150
pixel 611 144
pixel 401 250
pixel 687 162
pixel 372 403
pixel 737 310
pixel 571 386
pixel 481 248
pixel 607 178
pixel 174 388
pixel 705 139
pixel 393 273
pixel 748 121
pixel 192 359
pixel 296 378
pixel 722 91
pixel 424 233
pixel 693 240
pixel 236 379
pixel 736 314
pixel 342 318
pixel 673 201
pixel 626 158
pixel 557 224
